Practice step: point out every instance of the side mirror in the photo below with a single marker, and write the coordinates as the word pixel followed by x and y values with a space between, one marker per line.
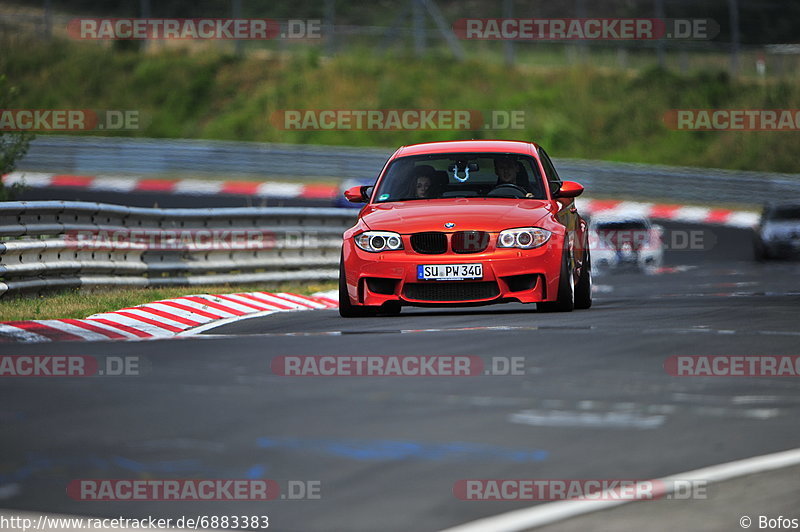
pixel 357 194
pixel 569 189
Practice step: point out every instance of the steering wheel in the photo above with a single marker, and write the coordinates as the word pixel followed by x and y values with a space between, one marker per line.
pixel 508 187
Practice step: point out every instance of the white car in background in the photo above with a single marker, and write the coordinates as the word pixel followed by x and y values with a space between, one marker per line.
pixel 628 242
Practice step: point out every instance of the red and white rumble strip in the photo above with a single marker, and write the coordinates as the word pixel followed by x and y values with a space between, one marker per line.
pixel 200 187
pixel 160 319
pixel 671 212
pixel 268 189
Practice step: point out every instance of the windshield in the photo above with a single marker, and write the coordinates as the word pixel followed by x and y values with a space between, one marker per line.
pixel 628 225
pixel 785 214
pixel 461 175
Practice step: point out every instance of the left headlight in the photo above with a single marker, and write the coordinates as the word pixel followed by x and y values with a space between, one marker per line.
pixel 377 241
pixel 523 237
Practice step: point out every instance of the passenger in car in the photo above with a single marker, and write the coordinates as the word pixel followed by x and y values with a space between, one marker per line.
pixel 423 186
pixel 423 182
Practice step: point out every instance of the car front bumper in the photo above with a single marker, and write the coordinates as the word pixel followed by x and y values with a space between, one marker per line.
pixel 526 276
pixel 784 247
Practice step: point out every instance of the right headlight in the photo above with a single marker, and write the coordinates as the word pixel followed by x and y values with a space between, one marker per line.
pixel 523 237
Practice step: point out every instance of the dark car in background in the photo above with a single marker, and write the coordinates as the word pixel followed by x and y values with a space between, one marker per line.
pixel 778 231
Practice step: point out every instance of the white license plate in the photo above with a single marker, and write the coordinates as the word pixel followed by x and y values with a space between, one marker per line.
pixel 449 272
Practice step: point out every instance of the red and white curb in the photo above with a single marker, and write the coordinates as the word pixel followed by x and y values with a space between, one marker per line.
pixel 163 319
pixel 270 189
pixel 670 212
pixel 199 187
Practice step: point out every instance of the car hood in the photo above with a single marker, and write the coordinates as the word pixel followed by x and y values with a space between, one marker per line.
pixel 483 214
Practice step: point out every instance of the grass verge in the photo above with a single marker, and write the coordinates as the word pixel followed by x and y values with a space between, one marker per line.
pixel 573 111
pixel 78 304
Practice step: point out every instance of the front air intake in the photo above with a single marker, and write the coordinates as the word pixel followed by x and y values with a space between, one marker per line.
pixel 454 291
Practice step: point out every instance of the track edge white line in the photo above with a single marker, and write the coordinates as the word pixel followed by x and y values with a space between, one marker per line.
pixel 546 514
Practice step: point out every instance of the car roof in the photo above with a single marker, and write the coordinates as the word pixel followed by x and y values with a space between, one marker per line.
pixel 453 146
pixel 783 204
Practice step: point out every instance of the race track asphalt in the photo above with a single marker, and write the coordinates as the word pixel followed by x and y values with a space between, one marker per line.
pixel 594 401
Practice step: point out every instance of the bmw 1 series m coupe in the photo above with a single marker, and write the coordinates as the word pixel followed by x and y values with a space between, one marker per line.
pixel 463 223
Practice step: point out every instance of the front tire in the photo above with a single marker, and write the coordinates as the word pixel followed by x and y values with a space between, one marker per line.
pixel 565 301
pixel 760 253
pixel 346 308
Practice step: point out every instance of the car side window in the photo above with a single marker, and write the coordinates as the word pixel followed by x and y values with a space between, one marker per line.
pixel 550 171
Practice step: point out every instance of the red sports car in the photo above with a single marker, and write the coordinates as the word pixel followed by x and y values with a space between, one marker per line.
pixel 466 223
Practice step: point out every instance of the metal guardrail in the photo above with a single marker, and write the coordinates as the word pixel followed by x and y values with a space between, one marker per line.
pixel 54 244
pixel 98 155
pixel 114 155
pixel 679 184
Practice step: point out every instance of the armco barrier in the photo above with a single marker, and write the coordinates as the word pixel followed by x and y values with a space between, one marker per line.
pixel 52 244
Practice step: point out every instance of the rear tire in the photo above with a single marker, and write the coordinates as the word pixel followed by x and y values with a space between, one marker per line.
pixel 346 308
pixel 583 288
pixel 566 290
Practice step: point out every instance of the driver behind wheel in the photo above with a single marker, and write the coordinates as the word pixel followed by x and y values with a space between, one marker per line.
pixel 507 170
